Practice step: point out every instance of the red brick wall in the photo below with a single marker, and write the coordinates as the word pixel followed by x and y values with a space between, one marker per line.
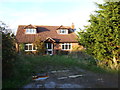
pixel 57 46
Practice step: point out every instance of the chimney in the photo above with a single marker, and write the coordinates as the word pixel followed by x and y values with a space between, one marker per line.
pixel 73 26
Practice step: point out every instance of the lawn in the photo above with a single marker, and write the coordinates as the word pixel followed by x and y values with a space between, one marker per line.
pixel 26 65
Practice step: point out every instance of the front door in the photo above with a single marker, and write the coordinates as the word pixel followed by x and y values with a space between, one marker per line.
pixel 49 48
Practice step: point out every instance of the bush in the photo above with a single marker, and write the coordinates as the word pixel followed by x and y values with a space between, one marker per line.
pixel 60 52
pixel 8 54
pixel 82 56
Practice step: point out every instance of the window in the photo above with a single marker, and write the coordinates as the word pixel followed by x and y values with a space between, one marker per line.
pixel 63 31
pixel 49 48
pixel 30 31
pixel 66 46
pixel 29 47
pixel 48 45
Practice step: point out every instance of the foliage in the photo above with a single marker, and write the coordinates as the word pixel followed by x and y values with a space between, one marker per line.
pixel 101 37
pixel 21 47
pixel 61 52
pixel 77 48
pixel 4 28
pixel 84 58
pixel 26 65
pixel 8 53
pixel 40 47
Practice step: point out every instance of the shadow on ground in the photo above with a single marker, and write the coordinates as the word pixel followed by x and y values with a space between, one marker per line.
pixel 77 78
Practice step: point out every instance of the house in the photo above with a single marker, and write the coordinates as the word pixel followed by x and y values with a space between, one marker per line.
pixel 56 38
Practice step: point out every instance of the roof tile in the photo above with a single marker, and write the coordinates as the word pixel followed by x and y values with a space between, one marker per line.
pixel 44 32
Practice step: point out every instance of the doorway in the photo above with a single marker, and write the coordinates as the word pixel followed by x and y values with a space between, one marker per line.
pixel 49 48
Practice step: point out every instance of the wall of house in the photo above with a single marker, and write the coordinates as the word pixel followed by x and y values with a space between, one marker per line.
pixel 75 47
pixel 57 47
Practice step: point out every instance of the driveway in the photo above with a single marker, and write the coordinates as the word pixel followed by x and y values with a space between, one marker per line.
pixel 76 78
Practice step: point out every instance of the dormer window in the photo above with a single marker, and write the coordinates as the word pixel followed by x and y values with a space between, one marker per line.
pixel 30 31
pixel 63 31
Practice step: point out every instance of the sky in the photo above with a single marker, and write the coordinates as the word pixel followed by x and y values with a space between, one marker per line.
pixel 47 12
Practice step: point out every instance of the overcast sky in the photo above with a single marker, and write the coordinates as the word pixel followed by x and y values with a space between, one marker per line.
pixel 46 12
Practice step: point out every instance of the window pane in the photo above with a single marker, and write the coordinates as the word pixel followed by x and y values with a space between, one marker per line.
pixel 33 30
pixel 34 48
pixel 30 47
pixel 26 47
pixel 28 30
pixel 49 46
pixel 64 31
pixel 62 46
pixel 69 46
pixel 66 46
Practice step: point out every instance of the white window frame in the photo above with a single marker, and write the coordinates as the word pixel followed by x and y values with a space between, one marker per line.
pixel 51 45
pixel 28 47
pixel 49 49
pixel 67 46
pixel 65 31
pixel 30 31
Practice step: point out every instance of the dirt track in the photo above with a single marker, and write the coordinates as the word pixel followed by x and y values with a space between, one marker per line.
pixel 77 78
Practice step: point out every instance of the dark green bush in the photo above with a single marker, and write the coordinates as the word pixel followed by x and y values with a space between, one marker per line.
pixel 8 54
pixel 61 52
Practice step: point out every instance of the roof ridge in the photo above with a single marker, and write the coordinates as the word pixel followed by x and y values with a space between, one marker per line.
pixel 46 25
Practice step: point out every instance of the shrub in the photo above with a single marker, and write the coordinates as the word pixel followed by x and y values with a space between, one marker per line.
pixel 8 54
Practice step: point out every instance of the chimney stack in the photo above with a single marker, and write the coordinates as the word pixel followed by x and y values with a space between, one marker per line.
pixel 73 26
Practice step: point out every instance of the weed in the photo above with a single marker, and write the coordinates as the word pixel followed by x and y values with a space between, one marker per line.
pixel 26 65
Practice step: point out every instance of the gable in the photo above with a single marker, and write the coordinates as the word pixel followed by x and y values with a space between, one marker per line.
pixel 49 40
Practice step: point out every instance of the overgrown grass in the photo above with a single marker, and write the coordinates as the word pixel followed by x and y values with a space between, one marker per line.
pixel 26 65
pixel 89 63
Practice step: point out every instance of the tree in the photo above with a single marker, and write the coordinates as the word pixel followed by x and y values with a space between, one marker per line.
pixel 8 51
pixel 4 28
pixel 40 47
pixel 102 37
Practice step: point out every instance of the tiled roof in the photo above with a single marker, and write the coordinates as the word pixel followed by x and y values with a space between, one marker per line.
pixel 30 26
pixel 44 32
pixel 64 27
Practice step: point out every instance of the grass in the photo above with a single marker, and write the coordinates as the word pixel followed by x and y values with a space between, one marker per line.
pixel 25 66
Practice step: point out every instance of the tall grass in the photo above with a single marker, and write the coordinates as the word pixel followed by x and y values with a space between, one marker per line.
pixel 26 65
pixel 89 63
